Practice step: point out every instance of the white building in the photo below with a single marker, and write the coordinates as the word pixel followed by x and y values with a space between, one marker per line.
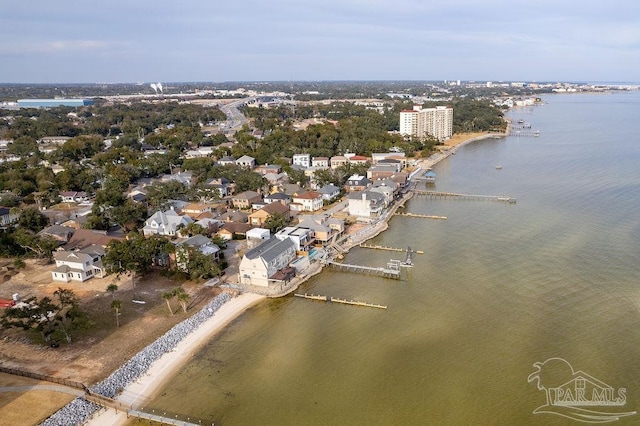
pixel 78 265
pixel 260 264
pixel 302 160
pixel 420 123
pixel 165 223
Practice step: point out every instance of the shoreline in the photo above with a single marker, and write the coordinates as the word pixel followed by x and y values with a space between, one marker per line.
pixel 163 369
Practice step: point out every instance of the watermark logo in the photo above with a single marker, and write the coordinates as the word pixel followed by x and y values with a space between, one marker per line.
pixel 577 395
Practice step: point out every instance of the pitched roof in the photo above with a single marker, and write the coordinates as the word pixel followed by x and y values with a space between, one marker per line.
pixel 309 195
pixel 86 237
pixel 270 249
pixel 275 207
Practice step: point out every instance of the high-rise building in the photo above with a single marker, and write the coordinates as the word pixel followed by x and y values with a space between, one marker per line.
pixel 420 123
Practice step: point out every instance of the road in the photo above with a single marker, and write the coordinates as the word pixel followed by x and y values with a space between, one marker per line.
pixel 235 119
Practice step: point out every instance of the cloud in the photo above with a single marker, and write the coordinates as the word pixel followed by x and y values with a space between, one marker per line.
pixel 53 47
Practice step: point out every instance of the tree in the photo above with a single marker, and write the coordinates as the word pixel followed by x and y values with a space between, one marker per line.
pixel 112 288
pixel 191 229
pixel 42 247
pixel 32 219
pixel 53 320
pixel 116 305
pixel 167 296
pixel 200 266
pixel 183 297
pixel 276 222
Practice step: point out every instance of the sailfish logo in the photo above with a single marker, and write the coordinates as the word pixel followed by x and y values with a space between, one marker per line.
pixel 567 391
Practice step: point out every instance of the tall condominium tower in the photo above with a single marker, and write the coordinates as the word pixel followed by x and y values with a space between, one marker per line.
pixel 419 122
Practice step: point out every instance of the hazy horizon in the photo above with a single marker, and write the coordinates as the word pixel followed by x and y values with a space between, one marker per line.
pixel 113 42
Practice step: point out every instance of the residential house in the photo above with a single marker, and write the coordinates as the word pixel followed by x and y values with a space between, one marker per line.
pixel 337 161
pixel 196 210
pixel 245 199
pixel 376 157
pixel 83 238
pixel 329 192
pixel 302 237
pixel 62 234
pixel 365 204
pixel 78 265
pixel 381 171
pixel 246 162
pixel 268 169
pixel 257 236
pixel 234 216
pixel 198 242
pixel 387 188
pixel 233 230
pixel 392 161
pixel 260 217
pixel 324 228
pixel 224 187
pixel 359 159
pixel 185 178
pixel 302 160
pixel 260 265
pixel 74 197
pixel 320 162
pixel 165 223
pixel 227 161
pixel 357 183
pixel 279 197
pixel 7 217
pixel 309 201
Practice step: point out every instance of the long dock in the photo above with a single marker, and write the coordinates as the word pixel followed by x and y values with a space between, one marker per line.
pixel 422 216
pixel 311 296
pixel 380 272
pixel 452 195
pixel 356 303
pixel 376 247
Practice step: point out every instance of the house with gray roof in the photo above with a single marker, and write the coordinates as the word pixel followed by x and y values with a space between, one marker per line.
pixel 198 242
pixel 366 203
pixel 79 265
pixel 165 223
pixel 260 265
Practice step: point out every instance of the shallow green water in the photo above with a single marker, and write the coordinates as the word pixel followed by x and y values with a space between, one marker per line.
pixel 499 288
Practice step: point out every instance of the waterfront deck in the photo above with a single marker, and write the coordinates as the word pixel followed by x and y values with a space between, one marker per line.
pixel 369 270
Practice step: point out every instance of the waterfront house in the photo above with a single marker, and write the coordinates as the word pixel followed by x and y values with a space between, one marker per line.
pixel 78 265
pixel 324 228
pixel 257 236
pixel 329 192
pixel 260 265
pixel 302 237
pixel 366 204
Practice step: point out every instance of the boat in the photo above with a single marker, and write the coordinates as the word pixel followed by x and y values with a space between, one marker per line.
pixel 498 167
pixel 536 133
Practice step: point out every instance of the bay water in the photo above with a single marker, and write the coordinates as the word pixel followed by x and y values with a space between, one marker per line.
pixel 499 287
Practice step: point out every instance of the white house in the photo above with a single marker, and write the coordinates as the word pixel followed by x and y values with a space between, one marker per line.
pixel 79 265
pixel 164 223
pixel 7 217
pixel 257 236
pixel 329 192
pixel 246 162
pixel 260 265
pixel 302 160
pixel 309 201
pixel 302 237
pixel 365 204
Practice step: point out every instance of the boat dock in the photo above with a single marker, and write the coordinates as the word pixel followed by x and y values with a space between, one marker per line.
pixel 422 216
pixel 376 247
pixel 311 296
pixel 338 300
pixel 452 195
pixel 369 270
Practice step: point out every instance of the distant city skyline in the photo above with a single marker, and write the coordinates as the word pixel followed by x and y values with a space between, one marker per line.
pixel 70 41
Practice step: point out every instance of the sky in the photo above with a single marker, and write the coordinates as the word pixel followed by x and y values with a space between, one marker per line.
pixel 112 41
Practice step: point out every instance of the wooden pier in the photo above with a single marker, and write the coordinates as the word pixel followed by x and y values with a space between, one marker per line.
pixel 379 272
pixel 356 303
pixel 311 296
pixel 452 195
pixel 375 247
pixel 422 216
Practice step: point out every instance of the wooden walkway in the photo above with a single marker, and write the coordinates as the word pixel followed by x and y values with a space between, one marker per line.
pixel 376 247
pixel 380 272
pixel 337 300
pixel 452 195
pixel 422 216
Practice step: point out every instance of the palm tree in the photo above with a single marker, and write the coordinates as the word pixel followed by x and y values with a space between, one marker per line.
pixel 167 296
pixel 183 297
pixel 112 288
pixel 116 305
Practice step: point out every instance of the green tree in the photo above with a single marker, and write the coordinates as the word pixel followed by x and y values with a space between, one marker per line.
pixel 42 247
pixel 116 305
pixel 276 222
pixel 183 297
pixel 32 219
pixel 167 296
pixel 112 288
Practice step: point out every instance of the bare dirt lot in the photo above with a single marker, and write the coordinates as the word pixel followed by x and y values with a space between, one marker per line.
pixel 95 352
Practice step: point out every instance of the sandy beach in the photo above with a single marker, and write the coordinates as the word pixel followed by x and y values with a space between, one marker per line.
pixel 144 389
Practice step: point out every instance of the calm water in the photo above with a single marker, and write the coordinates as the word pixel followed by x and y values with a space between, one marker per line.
pixel 499 288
